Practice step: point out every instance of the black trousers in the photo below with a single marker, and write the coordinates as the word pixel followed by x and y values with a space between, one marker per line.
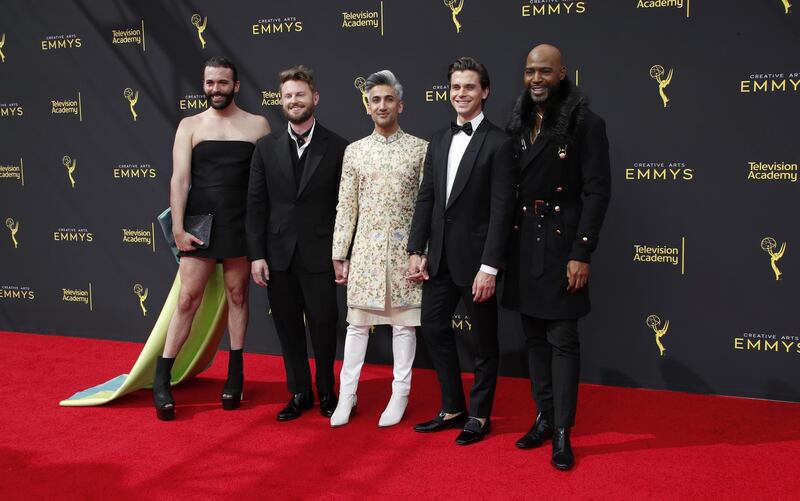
pixel 554 362
pixel 439 300
pixel 296 297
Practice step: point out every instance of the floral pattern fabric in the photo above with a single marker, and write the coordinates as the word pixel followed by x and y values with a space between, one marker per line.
pixel 377 195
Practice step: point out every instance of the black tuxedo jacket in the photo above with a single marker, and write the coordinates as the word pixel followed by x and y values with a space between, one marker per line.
pixel 284 218
pixel 473 227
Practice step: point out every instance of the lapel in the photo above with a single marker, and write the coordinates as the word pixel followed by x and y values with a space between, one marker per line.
pixel 441 163
pixel 467 162
pixel 529 155
pixel 315 151
pixel 284 154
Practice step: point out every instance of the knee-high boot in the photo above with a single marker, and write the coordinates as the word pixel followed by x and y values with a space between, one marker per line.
pixel 404 347
pixel 355 349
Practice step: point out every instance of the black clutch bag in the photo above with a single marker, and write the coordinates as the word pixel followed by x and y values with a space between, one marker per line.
pixel 199 226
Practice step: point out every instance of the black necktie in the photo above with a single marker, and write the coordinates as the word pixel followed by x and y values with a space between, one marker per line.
pixel 466 128
pixel 301 138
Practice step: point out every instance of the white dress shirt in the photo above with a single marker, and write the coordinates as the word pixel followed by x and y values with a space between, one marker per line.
pixel 458 146
pixel 292 134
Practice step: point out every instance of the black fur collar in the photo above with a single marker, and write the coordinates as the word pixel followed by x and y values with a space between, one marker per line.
pixel 563 116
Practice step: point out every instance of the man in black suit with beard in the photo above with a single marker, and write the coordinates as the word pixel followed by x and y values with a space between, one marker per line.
pixel 457 244
pixel 564 190
pixel 291 210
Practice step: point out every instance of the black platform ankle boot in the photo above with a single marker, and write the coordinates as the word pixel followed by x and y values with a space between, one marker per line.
pixel 232 393
pixel 563 458
pixel 162 395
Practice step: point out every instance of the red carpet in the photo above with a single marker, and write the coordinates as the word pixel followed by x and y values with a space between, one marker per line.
pixel 629 444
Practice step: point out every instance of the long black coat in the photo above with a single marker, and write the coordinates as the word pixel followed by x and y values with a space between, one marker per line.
pixel 561 204
pixel 473 227
pixel 282 216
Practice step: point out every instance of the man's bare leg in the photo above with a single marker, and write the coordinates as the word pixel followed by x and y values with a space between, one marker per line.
pixel 194 273
pixel 237 277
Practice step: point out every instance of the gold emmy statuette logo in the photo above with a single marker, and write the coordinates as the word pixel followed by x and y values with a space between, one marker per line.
pixel 70 164
pixel 455 7
pixel 200 23
pixel 13 227
pixel 361 85
pixel 133 98
pixel 786 7
pixel 2 43
pixel 655 323
pixel 141 293
pixel 657 74
pixel 768 245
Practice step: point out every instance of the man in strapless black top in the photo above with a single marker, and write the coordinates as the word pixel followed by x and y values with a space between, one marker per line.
pixel 291 209
pixel 211 155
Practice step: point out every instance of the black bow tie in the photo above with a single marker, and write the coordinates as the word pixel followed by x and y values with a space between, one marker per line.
pixel 301 138
pixel 466 128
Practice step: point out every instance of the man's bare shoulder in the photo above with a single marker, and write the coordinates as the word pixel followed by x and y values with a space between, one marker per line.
pixel 257 123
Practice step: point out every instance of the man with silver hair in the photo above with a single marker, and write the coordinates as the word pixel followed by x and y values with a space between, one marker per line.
pixel 377 195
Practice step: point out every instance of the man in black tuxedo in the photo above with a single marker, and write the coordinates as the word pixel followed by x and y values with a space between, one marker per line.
pixel 291 210
pixel 458 243
pixel 564 190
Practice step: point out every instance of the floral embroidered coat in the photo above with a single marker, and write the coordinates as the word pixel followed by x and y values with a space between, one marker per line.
pixel 377 195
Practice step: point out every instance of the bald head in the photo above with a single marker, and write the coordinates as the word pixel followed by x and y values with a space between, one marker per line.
pixel 544 71
pixel 546 52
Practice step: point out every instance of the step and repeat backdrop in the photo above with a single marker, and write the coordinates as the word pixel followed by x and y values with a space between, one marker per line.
pixel 697 269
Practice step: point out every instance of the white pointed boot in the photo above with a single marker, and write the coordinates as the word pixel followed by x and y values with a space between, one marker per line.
pixel 355 349
pixel 404 347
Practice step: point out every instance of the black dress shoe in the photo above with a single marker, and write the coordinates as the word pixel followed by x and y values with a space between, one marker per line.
pixel 541 430
pixel 300 402
pixel 473 431
pixel 439 423
pixel 562 450
pixel 327 403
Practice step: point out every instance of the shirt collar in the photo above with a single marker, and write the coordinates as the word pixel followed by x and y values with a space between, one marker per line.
pixel 475 121
pixel 387 140
pixel 310 133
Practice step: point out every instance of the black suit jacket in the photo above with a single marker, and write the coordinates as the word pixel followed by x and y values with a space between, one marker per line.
pixel 284 218
pixel 473 228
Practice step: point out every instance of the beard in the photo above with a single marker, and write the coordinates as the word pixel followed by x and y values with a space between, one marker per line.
pixel 305 115
pixel 547 97
pixel 219 106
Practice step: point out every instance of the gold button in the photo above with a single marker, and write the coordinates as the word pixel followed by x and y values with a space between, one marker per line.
pixel 516 227
pixel 558 232
pixel 585 239
pixel 559 189
pixel 557 208
pixel 524 208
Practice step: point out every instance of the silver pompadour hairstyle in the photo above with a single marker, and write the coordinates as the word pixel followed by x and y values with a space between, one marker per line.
pixel 384 77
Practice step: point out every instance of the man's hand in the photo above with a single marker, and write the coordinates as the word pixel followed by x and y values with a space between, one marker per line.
pixel 417 268
pixel 185 241
pixel 483 287
pixel 577 275
pixel 260 272
pixel 341 268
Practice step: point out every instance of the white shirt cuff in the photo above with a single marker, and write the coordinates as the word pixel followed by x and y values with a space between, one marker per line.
pixel 489 269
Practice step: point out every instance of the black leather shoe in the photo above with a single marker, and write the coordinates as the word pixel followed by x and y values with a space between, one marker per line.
pixel 473 431
pixel 327 403
pixel 541 430
pixel 439 423
pixel 300 402
pixel 562 450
